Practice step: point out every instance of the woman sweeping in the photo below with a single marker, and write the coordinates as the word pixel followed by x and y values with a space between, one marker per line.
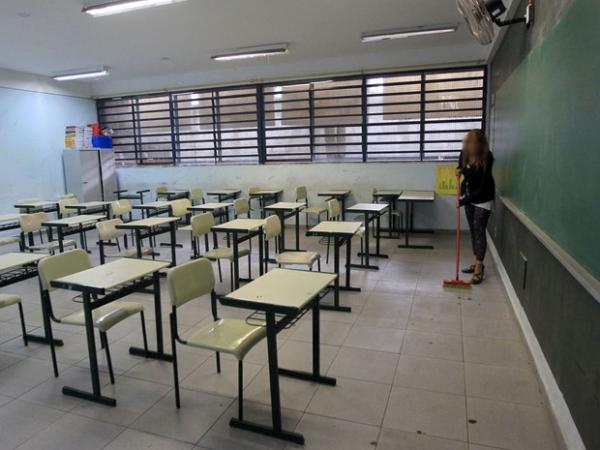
pixel 477 193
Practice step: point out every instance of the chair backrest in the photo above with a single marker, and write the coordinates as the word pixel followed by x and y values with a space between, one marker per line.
pixel 333 208
pixel 189 281
pixel 241 206
pixel 62 205
pixel 202 224
pixel 196 193
pixel 61 265
pixel 107 229
pixel 120 207
pixel 301 193
pixel 272 227
pixel 179 207
pixel 161 189
pixel 253 189
pixel 30 223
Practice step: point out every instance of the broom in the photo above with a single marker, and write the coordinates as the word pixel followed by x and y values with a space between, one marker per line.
pixel 457 282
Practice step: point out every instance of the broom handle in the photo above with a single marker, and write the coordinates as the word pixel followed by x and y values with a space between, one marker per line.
pixel 457 227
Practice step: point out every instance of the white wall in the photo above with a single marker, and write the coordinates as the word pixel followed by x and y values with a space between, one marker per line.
pixel 361 178
pixel 32 127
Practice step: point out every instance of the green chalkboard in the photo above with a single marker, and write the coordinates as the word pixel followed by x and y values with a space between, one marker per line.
pixel 546 123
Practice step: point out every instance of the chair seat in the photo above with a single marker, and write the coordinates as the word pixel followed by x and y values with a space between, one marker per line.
pixel 301 258
pixel 106 316
pixel 185 228
pixel 314 210
pixel 132 252
pixel 9 299
pixel 361 231
pixel 225 253
pixel 52 245
pixel 7 240
pixel 231 336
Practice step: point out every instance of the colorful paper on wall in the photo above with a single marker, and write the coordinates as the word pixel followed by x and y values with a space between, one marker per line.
pixel 445 179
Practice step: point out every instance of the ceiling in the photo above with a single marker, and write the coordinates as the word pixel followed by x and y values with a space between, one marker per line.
pixel 170 46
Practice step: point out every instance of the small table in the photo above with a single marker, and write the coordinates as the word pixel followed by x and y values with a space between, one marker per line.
pixel 285 210
pixel 90 207
pixel 248 228
pixel 153 227
pixel 283 296
pixel 41 205
pixel 154 208
pixel 9 221
pixel 342 233
pixel 122 194
pixel 217 209
pixel 390 196
pixel 339 194
pixel 174 194
pixel 370 211
pixel 225 194
pixel 80 225
pixel 15 267
pixel 264 195
pixel 410 198
pixel 102 285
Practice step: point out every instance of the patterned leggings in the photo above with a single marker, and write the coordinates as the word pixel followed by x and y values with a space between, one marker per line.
pixel 478 220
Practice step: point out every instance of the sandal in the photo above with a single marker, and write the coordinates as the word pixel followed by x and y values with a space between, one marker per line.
pixel 470 269
pixel 478 276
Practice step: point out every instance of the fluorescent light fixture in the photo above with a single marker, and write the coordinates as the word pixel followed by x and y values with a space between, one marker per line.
pixel 252 52
pixel 386 35
pixel 79 75
pixel 107 8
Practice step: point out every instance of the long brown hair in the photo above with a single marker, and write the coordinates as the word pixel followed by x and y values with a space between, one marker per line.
pixel 483 146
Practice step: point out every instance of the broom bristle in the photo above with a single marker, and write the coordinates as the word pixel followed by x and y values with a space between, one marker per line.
pixel 457 283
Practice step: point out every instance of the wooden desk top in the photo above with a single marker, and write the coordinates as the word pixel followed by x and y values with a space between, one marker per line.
pixel 153 205
pixel 334 193
pixel 148 222
pixel 330 228
pixel 86 205
pixel 210 206
pixel 387 193
pixel 371 208
pixel 417 196
pixel 240 225
pixel 38 204
pixel 286 206
pixel 74 220
pixel 13 260
pixel 280 289
pixel 266 192
pixel 224 192
pixel 10 217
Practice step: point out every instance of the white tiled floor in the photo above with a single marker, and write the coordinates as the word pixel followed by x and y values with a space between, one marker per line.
pixel 418 368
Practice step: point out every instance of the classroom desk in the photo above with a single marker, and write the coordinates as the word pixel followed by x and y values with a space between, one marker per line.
pixel 122 194
pixel 247 228
pixel 283 296
pixel 224 194
pixel 77 224
pixel 370 211
pixel 410 198
pixel 340 194
pixel 174 194
pixel 219 210
pixel 9 221
pixel 101 285
pixel 390 196
pixel 90 207
pixel 154 208
pixel 285 210
pixel 342 233
pixel 153 226
pixel 15 267
pixel 264 195
pixel 42 205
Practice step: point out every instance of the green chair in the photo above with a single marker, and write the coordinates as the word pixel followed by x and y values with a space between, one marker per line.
pixel 180 208
pixel 32 224
pixel 272 230
pixel 302 196
pixel 62 206
pixel 108 232
pixel 241 206
pixel 334 212
pixel 161 191
pixel 200 228
pixel 254 190
pixel 12 299
pixel 105 317
pixel 193 280
pixel 196 195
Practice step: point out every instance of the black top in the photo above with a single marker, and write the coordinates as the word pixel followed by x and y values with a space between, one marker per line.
pixel 478 185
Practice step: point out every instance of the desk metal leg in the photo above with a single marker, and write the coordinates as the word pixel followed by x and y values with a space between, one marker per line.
pixel 276 429
pixel 297 214
pixel 236 263
pixel 408 212
pixel 377 237
pixel 159 353
pixel 366 251
pixel 61 247
pixel 347 286
pixel 96 394
pixel 343 202
pixel 336 292
pixel 173 230
pixel 281 215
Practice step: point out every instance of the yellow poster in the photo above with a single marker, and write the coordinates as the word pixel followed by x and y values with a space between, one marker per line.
pixel 445 179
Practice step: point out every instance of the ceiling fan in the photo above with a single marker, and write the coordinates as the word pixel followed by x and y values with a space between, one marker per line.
pixel 481 15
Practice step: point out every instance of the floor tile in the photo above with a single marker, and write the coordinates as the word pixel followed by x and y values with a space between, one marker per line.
pixel 371 338
pixel 497 352
pixel 21 420
pixel 332 333
pixel 433 345
pixel 430 413
pixel 403 440
pixel 432 374
pixel 503 383
pixel 137 440
pixel 367 365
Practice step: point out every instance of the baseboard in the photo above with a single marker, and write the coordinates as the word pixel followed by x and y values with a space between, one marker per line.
pixel 566 429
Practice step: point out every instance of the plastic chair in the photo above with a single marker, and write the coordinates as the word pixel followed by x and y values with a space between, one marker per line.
pixel 272 230
pixel 302 196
